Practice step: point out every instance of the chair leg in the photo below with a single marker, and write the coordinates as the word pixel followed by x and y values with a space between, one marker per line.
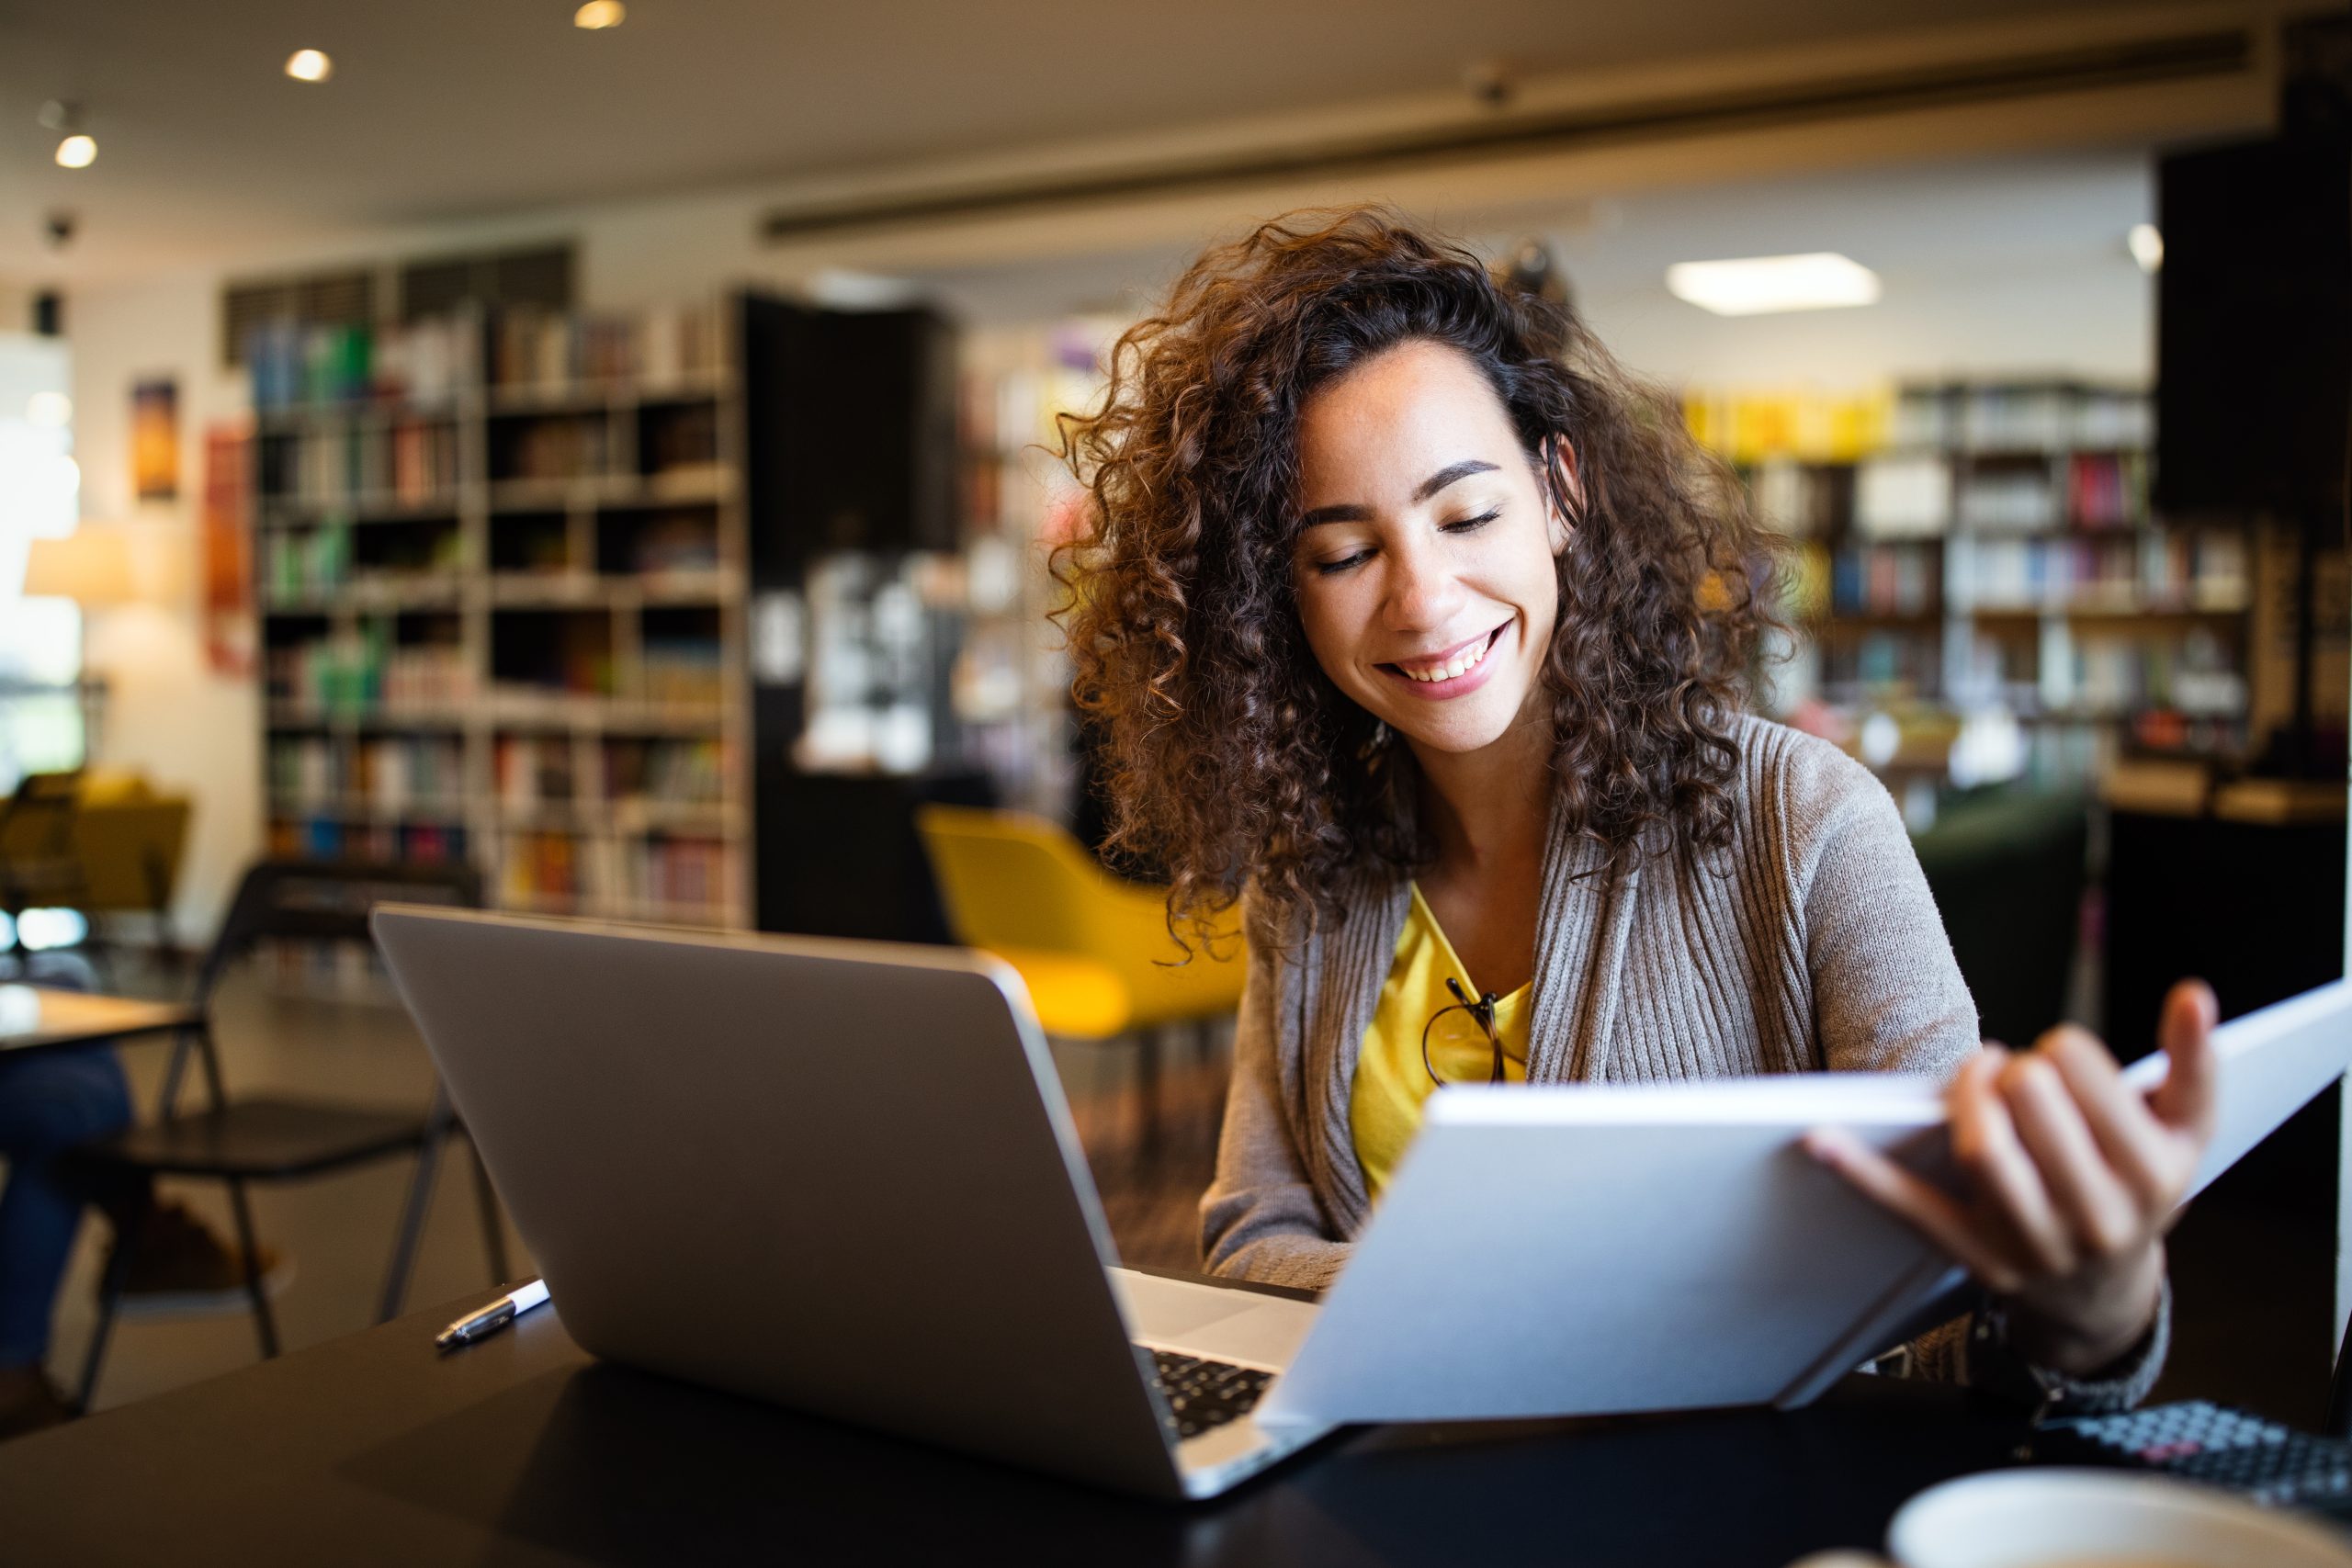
pixel 109 1298
pixel 1204 1039
pixel 420 1202
pixel 493 1222
pixel 167 1102
pixel 216 1097
pixel 265 1325
pixel 1148 1065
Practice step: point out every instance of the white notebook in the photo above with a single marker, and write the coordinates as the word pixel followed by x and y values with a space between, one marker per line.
pixel 1583 1250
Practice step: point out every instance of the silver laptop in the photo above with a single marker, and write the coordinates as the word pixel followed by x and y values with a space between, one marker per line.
pixel 836 1174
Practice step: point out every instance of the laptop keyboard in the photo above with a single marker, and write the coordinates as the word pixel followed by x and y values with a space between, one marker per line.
pixel 1202 1396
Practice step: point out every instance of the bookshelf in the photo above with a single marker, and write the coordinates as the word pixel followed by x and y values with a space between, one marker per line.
pixel 1969 545
pixel 1010 692
pixel 503 580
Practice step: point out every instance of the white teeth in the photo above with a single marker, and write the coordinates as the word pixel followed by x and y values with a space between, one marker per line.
pixel 1460 663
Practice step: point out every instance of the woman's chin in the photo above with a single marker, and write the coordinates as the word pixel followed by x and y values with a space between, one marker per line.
pixel 1449 735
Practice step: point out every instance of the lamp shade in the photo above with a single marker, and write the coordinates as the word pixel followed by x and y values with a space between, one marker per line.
pixel 102 563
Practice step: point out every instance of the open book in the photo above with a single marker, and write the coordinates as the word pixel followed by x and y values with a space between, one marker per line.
pixel 1584 1249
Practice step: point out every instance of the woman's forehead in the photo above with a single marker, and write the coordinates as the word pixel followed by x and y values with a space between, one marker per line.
pixel 1374 434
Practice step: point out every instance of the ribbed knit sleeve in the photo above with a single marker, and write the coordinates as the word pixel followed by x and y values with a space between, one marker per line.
pixel 1260 1219
pixel 1888 997
pixel 1887 993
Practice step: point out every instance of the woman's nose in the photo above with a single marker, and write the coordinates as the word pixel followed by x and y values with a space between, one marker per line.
pixel 1423 592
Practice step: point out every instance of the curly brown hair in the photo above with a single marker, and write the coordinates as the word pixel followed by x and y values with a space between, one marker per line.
pixel 1231 758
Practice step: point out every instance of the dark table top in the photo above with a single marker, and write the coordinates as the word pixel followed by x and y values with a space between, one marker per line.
pixel 520 1449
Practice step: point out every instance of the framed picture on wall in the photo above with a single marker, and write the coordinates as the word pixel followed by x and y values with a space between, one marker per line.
pixel 156 439
pixel 229 634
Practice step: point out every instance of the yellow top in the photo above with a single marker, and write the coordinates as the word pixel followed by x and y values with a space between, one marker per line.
pixel 1385 1107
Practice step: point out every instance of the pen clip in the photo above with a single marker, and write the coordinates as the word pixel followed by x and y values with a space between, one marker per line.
pixel 468 1330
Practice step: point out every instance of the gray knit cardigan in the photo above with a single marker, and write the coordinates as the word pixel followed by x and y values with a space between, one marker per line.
pixel 1812 945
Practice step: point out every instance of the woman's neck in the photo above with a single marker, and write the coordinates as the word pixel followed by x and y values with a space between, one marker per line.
pixel 1491 809
pixel 1488 812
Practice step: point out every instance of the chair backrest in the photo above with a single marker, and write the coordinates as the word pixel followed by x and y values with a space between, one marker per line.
pixel 303 900
pixel 1012 879
pixel 130 850
pixel 38 862
pixel 1021 887
pixel 2007 871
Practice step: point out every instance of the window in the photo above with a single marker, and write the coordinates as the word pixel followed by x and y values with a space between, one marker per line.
pixel 40 639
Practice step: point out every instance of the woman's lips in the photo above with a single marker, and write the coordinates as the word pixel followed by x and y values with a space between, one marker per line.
pixel 1459 685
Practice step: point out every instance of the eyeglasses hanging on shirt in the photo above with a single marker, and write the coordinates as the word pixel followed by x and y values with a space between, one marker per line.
pixel 1475 1025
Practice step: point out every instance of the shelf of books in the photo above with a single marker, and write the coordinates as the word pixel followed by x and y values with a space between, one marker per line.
pixel 1971 546
pixel 502 569
pixel 1010 683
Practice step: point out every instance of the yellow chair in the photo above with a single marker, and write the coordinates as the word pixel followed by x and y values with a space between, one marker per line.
pixel 1093 951
pixel 130 838
pixel 102 841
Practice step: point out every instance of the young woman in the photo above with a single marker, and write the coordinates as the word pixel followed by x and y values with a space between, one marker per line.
pixel 1409 615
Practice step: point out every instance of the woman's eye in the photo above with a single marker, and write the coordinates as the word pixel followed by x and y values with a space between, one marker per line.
pixel 1333 567
pixel 1472 525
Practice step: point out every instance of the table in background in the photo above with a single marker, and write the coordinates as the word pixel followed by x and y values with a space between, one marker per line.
pixel 40 1017
pixel 376 1449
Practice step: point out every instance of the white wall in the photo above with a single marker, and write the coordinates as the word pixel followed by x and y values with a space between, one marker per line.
pixel 167 713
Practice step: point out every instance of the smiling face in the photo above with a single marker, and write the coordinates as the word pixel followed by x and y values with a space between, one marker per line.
pixel 1424 573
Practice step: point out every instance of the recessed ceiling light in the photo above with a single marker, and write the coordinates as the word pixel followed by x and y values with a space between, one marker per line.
pixel 598 15
pixel 1819 280
pixel 308 65
pixel 2148 246
pixel 77 152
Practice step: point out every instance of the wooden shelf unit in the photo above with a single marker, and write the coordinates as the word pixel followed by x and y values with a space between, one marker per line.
pixel 2012 555
pixel 506 621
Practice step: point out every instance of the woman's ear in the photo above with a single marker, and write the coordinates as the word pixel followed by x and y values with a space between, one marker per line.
pixel 1563 488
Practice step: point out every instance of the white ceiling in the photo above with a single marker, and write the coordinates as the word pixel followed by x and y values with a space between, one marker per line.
pixel 2019 216
pixel 450 108
pixel 2013 264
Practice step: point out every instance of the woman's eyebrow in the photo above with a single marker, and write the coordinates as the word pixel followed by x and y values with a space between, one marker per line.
pixel 1446 476
pixel 1351 512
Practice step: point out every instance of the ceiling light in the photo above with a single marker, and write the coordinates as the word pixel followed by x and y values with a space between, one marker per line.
pixel 2148 246
pixel 51 411
pixel 1820 280
pixel 77 152
pixel 598 15
pixel 308 65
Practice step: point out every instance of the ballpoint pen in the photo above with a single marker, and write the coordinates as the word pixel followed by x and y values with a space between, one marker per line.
pixel 493 1317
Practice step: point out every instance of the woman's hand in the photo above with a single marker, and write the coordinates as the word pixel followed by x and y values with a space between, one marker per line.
pixel 2071 1180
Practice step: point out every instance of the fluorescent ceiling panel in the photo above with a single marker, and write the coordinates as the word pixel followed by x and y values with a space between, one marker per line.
pixel 1754 285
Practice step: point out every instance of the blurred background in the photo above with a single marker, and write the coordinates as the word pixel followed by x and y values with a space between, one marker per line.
pixel 597 444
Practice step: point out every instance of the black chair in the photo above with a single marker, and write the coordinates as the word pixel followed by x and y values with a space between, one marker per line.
pixel 278 1138
pixel 2007 868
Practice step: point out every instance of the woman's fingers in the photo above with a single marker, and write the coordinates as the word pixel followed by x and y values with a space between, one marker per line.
pixel 2184 1100
pixel 2152 1161
pixel 2065 1164
pixel 1929 1209
pixel 2102 1216
pixel 1985 1141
